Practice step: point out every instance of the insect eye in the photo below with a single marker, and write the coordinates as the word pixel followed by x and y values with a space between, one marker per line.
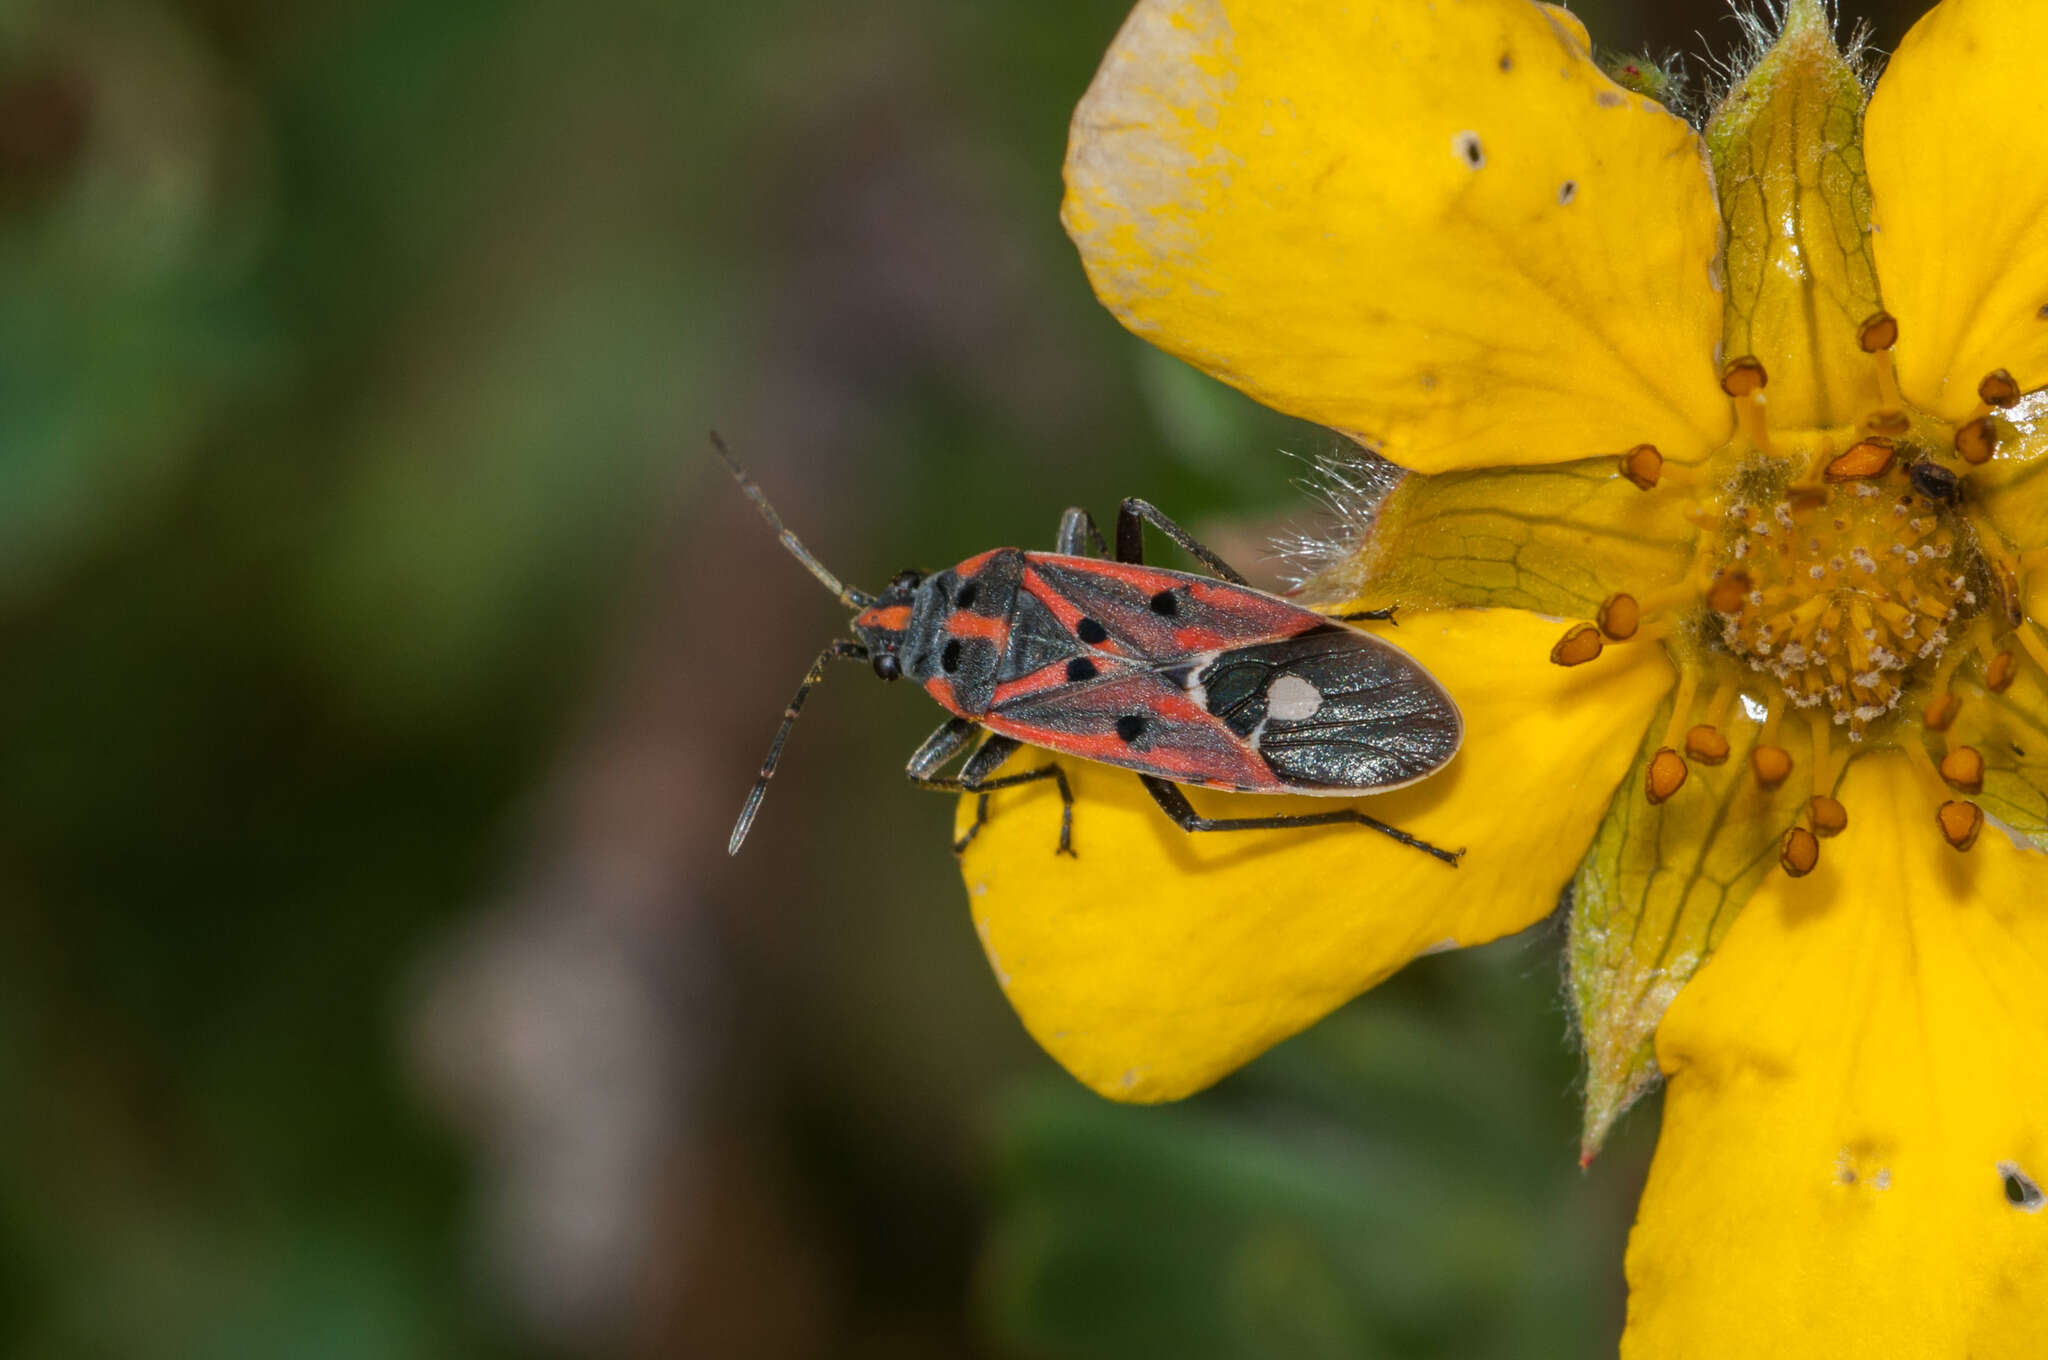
pixel 905 581
pixel 887 666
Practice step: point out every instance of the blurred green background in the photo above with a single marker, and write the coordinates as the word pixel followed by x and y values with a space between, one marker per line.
pixel 382 660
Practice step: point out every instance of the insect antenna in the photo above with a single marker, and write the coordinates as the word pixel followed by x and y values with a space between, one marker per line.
pixel 838 651
pixel 851 598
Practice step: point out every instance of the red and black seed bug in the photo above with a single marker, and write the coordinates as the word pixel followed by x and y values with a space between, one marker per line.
pixel 1182 679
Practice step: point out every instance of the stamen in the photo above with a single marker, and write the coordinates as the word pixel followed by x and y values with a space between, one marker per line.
pixel 1870 458
pixel 1619 617
pixel 1772 765
pixel 1963 770
pixel 1959 822
pixel 1728 591
pixel 1877 336
pixel 1665 776
pixel 1745 379
pixel 1941 710
pixel 1829 818
pixel 1977 440
pixel 1999 388
pixel 1798 852
pixel 1643 465
pixel 1887 422
pixel 1580 644
pixel 1999 673
pixel 1705 744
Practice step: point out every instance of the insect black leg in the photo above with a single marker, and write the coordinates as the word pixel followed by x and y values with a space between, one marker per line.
pixel 1384 615
pixel 1132 517
pixel 838 651
pixel 974 777
pixel 1175 805
pixel 1078 535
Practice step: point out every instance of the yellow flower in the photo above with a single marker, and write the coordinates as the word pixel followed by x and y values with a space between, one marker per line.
pixel 1723 527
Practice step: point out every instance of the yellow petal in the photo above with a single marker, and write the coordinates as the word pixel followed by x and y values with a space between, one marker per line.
pixel 1158 961
pixel 1957 142
pixel 1854 1078
pixel 1438 229
pixel 1653 899
pixel 1554 540
pixel 1800 278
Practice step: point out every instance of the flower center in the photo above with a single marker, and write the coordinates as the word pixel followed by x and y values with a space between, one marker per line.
pixel 1851 579
pixel 1839 590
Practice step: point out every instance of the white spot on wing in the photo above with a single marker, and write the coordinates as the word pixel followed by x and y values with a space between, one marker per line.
pixel 1291 698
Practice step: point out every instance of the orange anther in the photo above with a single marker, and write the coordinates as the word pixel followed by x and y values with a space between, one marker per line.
pixel 1941 710
pixel 1999 674
pixel 1580 644
pixel 1963 768
pixel 1977 440
pixel 1743 376
pixel 1706 744
pixel 1959 822
pixel 1666 775
pixel 1829 817
pixel 1643 465
pixel 1999 388
pixel 1620 616
pixel 1798 852
pixel 1729 589
pixel 1772 765
pixel 1870 458
pixel 1881 331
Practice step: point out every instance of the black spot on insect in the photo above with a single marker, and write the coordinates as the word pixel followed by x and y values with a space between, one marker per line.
pixel 949 660
pixel 1131 727
pixel 1935 482
pixel 1165 604
pixel 1091 632
pixel 969 593
pixel 1080 668
pixel 2020 1190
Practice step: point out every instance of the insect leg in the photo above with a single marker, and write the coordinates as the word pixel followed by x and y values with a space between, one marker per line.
pixel 974 777
pixel 1175 805
pixel 1078 534
pixel 1134 514
pixel 1384 615
pixel 838 651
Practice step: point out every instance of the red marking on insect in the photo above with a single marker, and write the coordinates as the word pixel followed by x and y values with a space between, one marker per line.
pixel 1179 678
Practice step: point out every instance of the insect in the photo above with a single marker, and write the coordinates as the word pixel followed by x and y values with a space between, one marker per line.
pixel 1180 678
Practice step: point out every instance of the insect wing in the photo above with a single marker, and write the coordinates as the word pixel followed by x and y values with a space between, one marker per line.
pixel 1156 614
pixel 1137 718
pixel 1334 710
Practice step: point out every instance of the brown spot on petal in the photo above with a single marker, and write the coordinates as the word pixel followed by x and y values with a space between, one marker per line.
pixel 1798 852
pixel 1959 822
